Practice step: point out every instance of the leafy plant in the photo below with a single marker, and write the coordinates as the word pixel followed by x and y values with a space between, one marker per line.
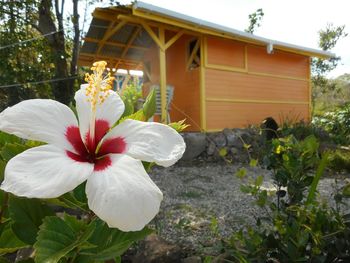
pixel 301 229
pixel 336 123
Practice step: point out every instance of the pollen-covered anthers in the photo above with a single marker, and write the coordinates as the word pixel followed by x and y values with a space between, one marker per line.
pixel 99 84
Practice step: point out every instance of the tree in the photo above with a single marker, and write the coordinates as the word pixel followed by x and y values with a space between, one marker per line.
pixel 254 20
pixel 43 20
pixel 328 38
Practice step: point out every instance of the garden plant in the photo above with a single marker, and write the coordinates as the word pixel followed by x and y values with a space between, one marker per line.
pixel 78 191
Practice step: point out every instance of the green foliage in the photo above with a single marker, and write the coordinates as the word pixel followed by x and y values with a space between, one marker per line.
pixel 27 215
pixel 24 63
pixel 292 163
pixel 300 230
pixel 255 20
pixel 56 237
pixel 131 95
pixel 339 160
pixel 336 95
pixel 328 39
pixel 336 123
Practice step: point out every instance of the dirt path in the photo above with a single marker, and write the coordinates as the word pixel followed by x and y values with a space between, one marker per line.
pixel 194 195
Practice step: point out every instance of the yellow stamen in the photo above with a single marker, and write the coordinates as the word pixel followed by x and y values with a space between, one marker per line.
pixel 98 89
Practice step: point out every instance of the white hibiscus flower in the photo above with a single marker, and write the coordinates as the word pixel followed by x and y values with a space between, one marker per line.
pixel 118 189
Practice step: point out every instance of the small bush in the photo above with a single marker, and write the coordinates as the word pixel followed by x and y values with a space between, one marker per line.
pixel 336 123
pixel 339 160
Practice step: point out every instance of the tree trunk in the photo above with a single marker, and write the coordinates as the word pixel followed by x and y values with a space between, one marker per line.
pixel 62 90
pixel 76 42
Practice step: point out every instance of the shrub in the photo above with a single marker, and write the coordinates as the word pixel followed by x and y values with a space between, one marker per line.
pixel 336 123
pixel 295 227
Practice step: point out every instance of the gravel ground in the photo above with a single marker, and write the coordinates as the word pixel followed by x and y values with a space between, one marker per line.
pixel 195 194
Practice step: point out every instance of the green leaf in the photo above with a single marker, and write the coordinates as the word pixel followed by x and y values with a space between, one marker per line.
pixel 27 216
pixel 2 169
pixel 58 237
pixel 110 243
pixel 8 138
pixel 223 152
pixel 149 107
pixel 70 200
pixel 9 242
pixel 259 180
pixel 179 126
pixel 4 260
pixel 10 150
pixel 253 162
pixel 129 108
pixel 346 190
pixel 320 169
pixel 241 173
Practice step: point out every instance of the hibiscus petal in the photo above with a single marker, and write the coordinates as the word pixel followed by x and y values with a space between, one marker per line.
pixel 44 172
pixel 123 195
pixel 40 120
pixel 150 141
pixel 110 110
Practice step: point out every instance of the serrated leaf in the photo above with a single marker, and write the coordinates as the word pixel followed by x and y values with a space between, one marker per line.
pixel 27 216
pixel 9 242
pixel 58 237
pixel 110 243
pixel 70 200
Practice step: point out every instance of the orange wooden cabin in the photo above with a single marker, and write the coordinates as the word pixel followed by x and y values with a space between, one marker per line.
pixel 222 77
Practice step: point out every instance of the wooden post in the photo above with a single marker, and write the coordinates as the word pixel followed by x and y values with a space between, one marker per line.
pixel 162 73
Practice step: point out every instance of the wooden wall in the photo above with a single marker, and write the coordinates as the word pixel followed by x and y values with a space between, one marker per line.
pixel 186 84
pixel 244 85
pixel 185 103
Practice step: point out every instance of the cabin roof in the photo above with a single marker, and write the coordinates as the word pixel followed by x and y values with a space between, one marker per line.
pixel 119 35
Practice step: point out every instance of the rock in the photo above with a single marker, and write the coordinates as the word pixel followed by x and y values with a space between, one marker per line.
pixel 211 148
pixel 195 145
pixel 154 249
pixel 193 259
pixel 218 138
pixel 232 138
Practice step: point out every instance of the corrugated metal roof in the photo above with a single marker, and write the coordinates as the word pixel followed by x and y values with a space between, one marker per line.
pixel 199 23
pixel 127 45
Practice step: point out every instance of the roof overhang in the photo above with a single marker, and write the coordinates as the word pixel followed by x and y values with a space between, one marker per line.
pixel 161 14
pixel 121 35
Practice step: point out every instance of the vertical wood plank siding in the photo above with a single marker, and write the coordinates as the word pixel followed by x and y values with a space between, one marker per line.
pixel 186 101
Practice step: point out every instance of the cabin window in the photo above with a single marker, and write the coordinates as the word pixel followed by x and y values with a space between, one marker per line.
pixel 194 54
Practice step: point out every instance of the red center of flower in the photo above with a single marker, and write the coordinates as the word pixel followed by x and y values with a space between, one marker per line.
pixel 87 152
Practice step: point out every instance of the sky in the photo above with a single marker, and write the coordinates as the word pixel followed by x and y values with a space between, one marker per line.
pixel 293 21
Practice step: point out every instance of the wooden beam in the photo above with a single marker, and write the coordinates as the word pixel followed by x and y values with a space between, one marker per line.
pixel 202 88
pixel 110 32
pixel 174 38
pixel 153 35
pixel 162 78
pixel 129 43
pixel 193 54
pixel 102 57
pixel 112 43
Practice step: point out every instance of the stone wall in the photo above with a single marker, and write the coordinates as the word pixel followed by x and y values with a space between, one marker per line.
pixel 233 145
